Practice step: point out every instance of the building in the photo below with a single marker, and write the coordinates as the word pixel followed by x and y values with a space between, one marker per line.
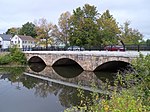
pixel 5 41
pixel 23 42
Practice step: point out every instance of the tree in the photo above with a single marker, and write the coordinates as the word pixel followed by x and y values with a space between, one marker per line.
pixel 83 27
pixel 148 42
pixel 28 29
pixel 63 23
pixel 44 31
pixel 13 31
pixel 129 35
pixel 108 28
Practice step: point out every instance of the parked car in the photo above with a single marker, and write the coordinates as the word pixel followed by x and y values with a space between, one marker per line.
pixel 114 48
pixel 75 48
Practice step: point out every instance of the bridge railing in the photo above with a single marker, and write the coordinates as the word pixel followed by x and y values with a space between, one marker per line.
pixel 138 47
pixel 94 48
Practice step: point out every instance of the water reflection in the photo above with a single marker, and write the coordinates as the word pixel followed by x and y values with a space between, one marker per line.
pixel 75 75
pixel 49 91
pixel 106 77
pixel 37 67
pixel 15 72
pixel 65 95
pixel 68 71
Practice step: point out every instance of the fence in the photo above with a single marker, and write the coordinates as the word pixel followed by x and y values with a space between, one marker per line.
pixel 92 48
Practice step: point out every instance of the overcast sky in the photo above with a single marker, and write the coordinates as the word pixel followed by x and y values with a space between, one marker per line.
pixel 15 13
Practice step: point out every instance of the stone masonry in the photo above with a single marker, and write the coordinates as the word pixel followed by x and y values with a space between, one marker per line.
pixel 88 60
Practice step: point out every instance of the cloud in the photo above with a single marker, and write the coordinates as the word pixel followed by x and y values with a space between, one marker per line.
pixel 15 13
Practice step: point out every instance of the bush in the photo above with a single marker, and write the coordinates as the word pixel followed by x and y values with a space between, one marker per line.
pixel 17 56
pixel 14 57
pixel 134 98
pixel 5 59
pixel 142 66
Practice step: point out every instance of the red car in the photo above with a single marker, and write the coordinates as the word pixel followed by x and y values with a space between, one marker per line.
pixel 114 48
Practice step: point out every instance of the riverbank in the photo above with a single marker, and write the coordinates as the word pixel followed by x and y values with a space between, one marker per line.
pixel 11 66
pixel 134 98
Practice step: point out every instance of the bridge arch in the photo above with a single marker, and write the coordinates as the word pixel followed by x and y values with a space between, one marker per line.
pixel 112 66
pixel 36 59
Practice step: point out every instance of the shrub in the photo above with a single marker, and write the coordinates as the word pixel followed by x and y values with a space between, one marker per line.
pixel 17 56
pixel 5 59
pixel 14 57
pixel 134 98
pixel 142 66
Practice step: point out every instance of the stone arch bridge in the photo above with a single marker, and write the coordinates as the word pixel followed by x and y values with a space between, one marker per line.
pixel 88 60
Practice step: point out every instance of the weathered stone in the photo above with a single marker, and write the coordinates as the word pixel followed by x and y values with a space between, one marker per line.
pixel 88 60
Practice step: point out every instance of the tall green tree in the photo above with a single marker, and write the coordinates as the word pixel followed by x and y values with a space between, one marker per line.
pixel 13 31
pixel 129 35
pixel 108 28
pixel 83 27
pixel 148 42
pixel 28 29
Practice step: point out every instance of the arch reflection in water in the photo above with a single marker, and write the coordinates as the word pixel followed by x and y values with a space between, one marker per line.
pixel 37 67
pixel 68 71
pixel 67 68
pixel 75 72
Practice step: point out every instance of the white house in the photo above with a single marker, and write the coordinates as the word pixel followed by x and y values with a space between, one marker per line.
pixel 5 41
pixel 23 42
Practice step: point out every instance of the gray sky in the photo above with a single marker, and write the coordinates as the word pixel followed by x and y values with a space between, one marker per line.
pixel 15 13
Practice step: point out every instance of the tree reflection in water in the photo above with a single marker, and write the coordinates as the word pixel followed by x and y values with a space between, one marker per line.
pixel 67 95
pixel 75 75
pixel 108 77
pixel 12 73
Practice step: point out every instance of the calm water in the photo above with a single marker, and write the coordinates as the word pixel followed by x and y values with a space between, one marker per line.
pixel 21 92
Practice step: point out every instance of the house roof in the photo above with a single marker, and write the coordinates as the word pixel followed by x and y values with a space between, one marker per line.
pixel 6 37
pixel 24 37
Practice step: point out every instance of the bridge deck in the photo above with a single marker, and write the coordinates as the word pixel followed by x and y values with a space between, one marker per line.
pixel 94 53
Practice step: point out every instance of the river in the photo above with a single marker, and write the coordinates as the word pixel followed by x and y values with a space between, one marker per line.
pixel 39 88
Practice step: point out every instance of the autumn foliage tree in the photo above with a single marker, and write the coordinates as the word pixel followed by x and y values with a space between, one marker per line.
pixel 130 35
pixel 62 32
pixel 44 31
pixel 13 31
